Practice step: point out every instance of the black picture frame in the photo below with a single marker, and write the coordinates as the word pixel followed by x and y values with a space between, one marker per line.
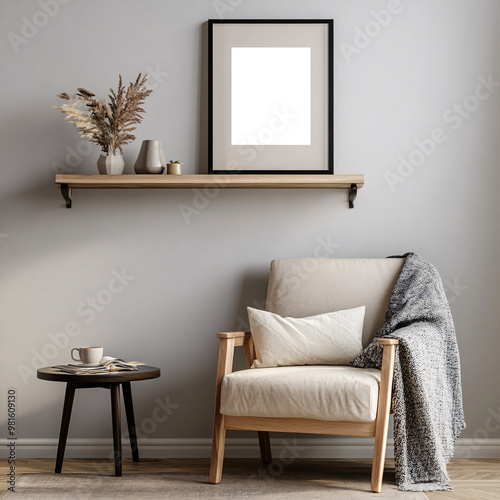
pixel 227 164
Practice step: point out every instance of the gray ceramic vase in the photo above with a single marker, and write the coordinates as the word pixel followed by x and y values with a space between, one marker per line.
pixel 151 159
pixel 110 164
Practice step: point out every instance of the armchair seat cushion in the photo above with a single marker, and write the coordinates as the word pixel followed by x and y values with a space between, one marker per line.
pixel 332 393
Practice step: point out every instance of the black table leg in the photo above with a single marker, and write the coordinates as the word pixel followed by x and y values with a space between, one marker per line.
pixel 115 415
pixel 63 434
pixel 129 410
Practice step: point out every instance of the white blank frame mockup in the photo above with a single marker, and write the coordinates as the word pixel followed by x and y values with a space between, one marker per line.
pixel 271 96
pixel 264 82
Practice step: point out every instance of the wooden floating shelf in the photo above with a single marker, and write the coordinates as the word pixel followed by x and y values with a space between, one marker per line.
pixel 68 182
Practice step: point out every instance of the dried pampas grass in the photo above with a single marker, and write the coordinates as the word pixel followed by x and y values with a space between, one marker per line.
pixel 107 125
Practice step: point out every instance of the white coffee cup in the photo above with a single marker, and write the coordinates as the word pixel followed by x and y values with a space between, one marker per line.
pixel 88 354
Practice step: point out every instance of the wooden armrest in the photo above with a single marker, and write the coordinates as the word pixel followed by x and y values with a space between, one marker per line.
pixel 385 341
pixel 230 340
pixel 233 335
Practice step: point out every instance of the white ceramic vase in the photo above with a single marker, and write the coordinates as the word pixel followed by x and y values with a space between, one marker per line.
pixel 151 159
pixel 111 164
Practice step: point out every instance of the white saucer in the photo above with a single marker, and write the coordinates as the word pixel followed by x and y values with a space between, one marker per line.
pixel 85 365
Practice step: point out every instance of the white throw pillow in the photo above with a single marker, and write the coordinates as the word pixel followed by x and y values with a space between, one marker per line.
pixel 326 339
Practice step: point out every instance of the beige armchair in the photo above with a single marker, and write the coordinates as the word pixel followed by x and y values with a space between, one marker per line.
pixel 336 400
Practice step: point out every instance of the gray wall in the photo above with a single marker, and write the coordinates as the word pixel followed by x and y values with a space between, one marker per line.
pixel 192 280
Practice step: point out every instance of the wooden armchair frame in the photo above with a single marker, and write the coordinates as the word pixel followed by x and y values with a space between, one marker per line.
pixel 377 428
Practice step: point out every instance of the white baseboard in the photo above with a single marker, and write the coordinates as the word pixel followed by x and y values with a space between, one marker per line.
pixel 342 447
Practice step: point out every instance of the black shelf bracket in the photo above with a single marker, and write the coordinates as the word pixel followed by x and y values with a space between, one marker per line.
pixel 353 192
pixel 66 193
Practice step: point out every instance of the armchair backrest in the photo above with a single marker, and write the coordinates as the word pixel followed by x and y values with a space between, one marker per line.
pixel 308 286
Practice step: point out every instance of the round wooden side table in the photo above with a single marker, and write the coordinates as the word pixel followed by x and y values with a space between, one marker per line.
pixel 111 381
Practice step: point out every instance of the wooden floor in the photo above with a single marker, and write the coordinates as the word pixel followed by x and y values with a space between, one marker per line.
pixel 472 479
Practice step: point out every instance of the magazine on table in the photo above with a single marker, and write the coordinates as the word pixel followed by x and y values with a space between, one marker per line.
pixel 106 365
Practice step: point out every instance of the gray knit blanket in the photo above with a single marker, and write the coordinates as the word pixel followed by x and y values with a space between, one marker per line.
pixel 427 393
